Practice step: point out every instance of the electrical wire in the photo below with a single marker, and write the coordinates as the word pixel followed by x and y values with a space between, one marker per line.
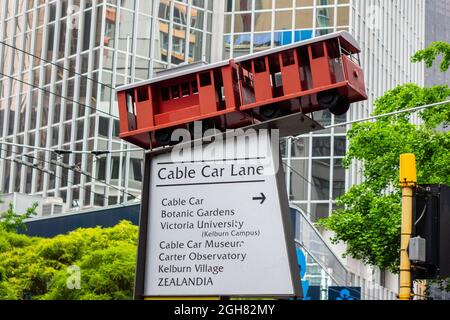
pixel 292 137
pixel 97 153
pixel 53 174
pixel 301 176
pixel 389 114
pixel 132 150
pixel 59 96
pixel 68 167
pixel 57 65
pixel 432 105
pixel 25 146
pixel 63 151
pixel 306 180
pixel 421 216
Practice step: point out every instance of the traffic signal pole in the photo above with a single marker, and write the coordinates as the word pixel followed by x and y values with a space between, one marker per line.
pixel 408 180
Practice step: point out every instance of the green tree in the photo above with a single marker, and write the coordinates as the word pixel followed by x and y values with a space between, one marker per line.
pixel 369 216
pixel 12 221
pixel 432 52
pixel 36 268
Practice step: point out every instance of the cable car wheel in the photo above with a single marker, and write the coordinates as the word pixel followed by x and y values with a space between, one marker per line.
pixel 270 112
pixel 206 125
pixel 337 104
pixel 341 107
pixel 164 137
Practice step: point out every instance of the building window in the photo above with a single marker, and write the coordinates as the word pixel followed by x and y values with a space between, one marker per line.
pixel 320 172
pixel 103 127
pixel 101 169
pixel 321 147
pixel 137 169
pixel 115 168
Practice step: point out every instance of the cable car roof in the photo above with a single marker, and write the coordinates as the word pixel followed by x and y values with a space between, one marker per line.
pixel 174 73
pixel 352 45
pixel 184 70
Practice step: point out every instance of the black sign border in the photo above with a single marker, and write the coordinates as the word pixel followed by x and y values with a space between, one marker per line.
pixel 139 287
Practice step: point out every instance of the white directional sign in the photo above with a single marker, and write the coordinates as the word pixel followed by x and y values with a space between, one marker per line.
pixel 216 226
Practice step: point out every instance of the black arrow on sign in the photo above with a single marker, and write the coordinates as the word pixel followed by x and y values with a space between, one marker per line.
pixel 262 198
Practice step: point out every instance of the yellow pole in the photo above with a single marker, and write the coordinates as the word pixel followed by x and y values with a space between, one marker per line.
pixel 408 180
pixel 182 298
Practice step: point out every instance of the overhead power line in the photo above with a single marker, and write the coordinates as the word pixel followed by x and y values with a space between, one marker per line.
pixel 96 153
pixel 305 179
pixel 78 170
pixel 71 168
pixel 389 114
pixel 59 96
pixel 48 172
pixel 63 165
pixel 56 65
pixel 24 146
pixel 432 105
pixel 101 152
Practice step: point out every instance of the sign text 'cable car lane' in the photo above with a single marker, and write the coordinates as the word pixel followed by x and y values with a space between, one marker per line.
pixel 208 171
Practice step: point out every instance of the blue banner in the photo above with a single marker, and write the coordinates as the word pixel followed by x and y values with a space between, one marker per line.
pixel 344 293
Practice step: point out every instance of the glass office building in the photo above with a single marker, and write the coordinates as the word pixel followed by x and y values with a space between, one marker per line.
pixel 61 60
pixel 59 64
pixel 389 32
pixel 57 87
pixel 437 29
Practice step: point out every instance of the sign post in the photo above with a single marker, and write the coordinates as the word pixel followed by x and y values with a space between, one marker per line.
pixel 217 223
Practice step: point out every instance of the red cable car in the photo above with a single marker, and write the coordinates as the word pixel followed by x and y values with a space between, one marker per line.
pixel 321 73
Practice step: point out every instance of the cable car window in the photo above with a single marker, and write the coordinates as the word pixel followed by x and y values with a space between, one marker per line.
pixel 185 89
pixel 278 79
pixel 205 79
pixel 130 102
pixel 165 94
pixel 248 81
pixel 142 94
pixel 317 50
pixel 235 75
pixel 194 87
pixel 260 65
pixel 175 92
pixel 288 58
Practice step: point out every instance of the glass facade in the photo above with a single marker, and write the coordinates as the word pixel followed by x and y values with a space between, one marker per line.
pixel 389 32
pixel 313 163
pixel 59 64
pixel 255 25
pixel 324 268
pixel 315 175
pixel 437 29
pixel 57 88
